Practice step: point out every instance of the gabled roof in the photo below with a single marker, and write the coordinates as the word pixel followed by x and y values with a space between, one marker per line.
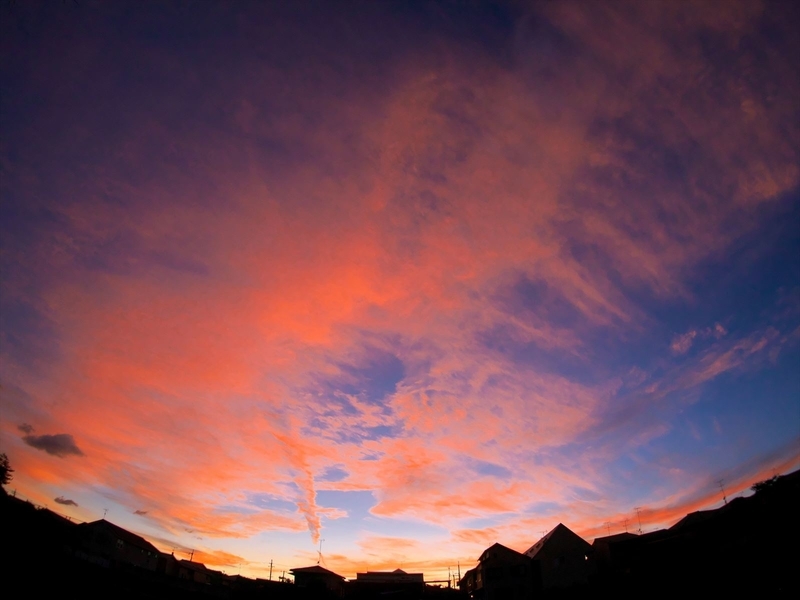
pixel 395 572
pixel 694 518
pixel 194 566
pixel 315 570
pixel 122 534
pixel 560 533
pixel 531 552
pixel 497 549
pixel 617 537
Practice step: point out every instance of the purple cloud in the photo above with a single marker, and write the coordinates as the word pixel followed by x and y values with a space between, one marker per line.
pixel 60 444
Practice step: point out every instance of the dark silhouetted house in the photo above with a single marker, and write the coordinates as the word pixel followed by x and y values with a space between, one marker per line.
pixel 468 583
pixel 193 571
pixel 318 578
pixel 562 559
pixel 395 583
pixel 168 564
pixel 695 519
pixel 608 557
pixel 109 545
pixel 396 576
pixel 241 584
pixel 627 561
pixel 502 573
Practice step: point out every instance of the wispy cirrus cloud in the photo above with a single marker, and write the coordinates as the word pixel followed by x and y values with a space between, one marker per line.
pixel 454 275
pixel 683 342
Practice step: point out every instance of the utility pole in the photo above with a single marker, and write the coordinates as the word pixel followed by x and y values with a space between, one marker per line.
pixel 608 527
pixel 626 524
pixel 319 558
pixel 270 569
pixel 639 517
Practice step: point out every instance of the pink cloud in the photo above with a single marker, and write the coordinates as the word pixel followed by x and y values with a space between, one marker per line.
pixel 200 313
pixel 682 343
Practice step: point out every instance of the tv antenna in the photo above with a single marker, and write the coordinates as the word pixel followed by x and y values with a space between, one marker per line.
pixel 319 558
pixel 721 483
pixel 639 517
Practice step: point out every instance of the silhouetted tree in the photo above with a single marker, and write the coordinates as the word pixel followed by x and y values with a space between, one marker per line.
pixel 765 485
pixel 5 469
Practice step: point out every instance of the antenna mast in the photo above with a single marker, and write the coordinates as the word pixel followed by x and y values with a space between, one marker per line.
pixel 638 516
pixel 721 483
pixel 319 558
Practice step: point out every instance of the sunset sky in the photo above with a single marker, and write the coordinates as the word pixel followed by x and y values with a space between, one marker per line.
pixel 410 278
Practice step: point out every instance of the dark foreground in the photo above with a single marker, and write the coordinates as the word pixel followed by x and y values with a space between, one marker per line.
pixel 750 547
